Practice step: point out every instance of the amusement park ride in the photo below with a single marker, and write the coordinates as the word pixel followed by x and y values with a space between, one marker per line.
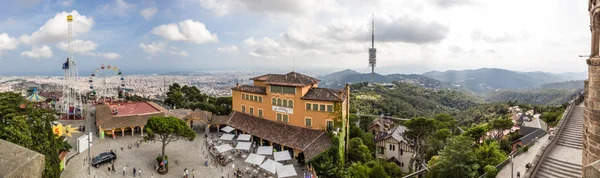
pixel 106 83
pixel 70 107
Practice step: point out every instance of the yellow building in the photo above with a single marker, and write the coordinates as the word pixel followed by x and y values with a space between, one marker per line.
pixel 290 111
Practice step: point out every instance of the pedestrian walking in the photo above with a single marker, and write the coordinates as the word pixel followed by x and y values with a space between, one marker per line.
pixel 113 167
pixel 193 173
pixel 140 172
pixel 134 171
pixel 123 170
pixel 152 176
pixel 109 168
pixel 519 174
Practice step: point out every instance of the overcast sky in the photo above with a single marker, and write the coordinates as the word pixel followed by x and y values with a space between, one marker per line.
pixel 411 36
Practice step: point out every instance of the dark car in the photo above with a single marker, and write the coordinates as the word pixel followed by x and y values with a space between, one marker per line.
pixel 106 157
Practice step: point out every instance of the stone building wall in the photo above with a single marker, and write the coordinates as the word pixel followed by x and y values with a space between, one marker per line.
pixel 19 162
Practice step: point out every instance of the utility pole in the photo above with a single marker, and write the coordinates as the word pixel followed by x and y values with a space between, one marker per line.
pixel 512 173
pixel 89 157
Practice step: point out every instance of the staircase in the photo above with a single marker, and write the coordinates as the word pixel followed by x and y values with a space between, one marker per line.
pixel 569 144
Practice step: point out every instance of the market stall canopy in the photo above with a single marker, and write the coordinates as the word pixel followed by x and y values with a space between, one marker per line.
pixel 227 137
pixel 227 129
pixel 255 159
pixel 244 137
pixel 282 155
pixel 224 148
pixel 35 97
pixel 243 146
pixel 265 150
pixel 271 166
pixel 286 171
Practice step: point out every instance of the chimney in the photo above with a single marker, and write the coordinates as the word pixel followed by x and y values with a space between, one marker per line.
pixel 237 84
pixel 340 93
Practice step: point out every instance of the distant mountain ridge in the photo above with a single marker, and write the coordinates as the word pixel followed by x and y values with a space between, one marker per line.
pixel 339 79
pixel 490 79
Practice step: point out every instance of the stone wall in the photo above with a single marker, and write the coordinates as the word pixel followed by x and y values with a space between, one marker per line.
pixel 18 161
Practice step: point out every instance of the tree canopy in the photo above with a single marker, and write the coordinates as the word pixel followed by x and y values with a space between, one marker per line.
pixel 190 97
pixel 23 123
pixel 167 130
pixel 457 160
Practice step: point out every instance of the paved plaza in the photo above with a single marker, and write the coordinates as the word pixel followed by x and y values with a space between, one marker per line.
pixel 182 154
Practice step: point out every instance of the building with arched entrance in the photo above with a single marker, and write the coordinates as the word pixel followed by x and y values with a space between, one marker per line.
pixel 118 119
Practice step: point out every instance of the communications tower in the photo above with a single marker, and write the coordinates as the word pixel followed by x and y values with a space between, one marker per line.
pixel 372 50
pixel 71 104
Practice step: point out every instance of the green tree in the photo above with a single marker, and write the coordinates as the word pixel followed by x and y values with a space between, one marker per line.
pixel 359 170
pixel 457 160
pixel 358 152
pixel 476 133
pixel 489 153
pixel 498 126
pixel 419 130
pixel 167 130
pixel 391 169
pixel 23 123
pixel 328 164
pixel 491 171
pixel 378 172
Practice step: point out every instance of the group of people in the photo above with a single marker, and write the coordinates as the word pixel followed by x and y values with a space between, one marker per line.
pixel 186 174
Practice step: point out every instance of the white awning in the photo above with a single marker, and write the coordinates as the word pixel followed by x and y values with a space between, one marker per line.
pixel 255 159
pixel 224 148
pixel 282 155
pixel 243 146
pixel 244 137
pixel 227 129
pixel 286 171
pixel 227 137
pixel 271 166
pixel 265 150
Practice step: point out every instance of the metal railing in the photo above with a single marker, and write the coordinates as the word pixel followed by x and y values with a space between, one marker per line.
pixel 545 149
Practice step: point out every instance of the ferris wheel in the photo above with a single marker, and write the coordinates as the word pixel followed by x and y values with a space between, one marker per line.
pixel 106 82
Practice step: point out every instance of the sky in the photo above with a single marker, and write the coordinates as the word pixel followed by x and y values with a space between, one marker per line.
pixel 155 36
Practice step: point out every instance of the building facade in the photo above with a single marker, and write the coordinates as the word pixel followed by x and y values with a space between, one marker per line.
pixel 291 98
pixel 391 146
pixel 290 111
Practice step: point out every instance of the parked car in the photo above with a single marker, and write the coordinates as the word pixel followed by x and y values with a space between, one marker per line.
pixel 106 157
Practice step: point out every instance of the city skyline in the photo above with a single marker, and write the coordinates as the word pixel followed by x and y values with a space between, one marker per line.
pixel 148 37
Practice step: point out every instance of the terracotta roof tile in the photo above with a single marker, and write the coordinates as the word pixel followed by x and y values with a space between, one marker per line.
pixel 324 94
pixel 313 141
pixel 106 119
pixel 289 79
pixel 202 115
pixel 218 119
pixel 251 89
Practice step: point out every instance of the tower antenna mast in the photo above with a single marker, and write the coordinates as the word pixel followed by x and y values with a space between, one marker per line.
pixel 372 50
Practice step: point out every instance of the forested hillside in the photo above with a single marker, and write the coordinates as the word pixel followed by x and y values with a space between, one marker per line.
pixel 535 97
pixel 408 100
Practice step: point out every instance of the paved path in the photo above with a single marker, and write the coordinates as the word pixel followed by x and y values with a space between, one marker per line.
pixel 182 154
pixel 564 160
pixel 521 160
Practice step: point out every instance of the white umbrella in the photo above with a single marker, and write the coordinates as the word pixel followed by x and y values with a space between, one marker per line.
pixel 243 146
pixel 265 150
pixel 224 148
pixel 271 166
pixel 227 129
pixel 282 155
pixel 286 171
pixel 243 137
pixel 227 137
pixel 255 159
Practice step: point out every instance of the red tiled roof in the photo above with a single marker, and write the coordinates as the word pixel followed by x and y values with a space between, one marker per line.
pixel 289 79
pixel 251 89
pixel 312 142
pixel 325 94
pixel 107 120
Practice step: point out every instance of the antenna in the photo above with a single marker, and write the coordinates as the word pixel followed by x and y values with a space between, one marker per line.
pixel 294 66
pixel 372 50
pixel 372 30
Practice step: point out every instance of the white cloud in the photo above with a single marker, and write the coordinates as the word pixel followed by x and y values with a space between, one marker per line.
pixel 187 30
pixel 226 7
pixel 38 52
pixel 153 48
pixel 78 46
pixel 156 48
pixel 7 42
pixel 120 7
pixel 104 55
pixel 66 3
pixel 228 49
pixel 148 13
pixel 55 29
